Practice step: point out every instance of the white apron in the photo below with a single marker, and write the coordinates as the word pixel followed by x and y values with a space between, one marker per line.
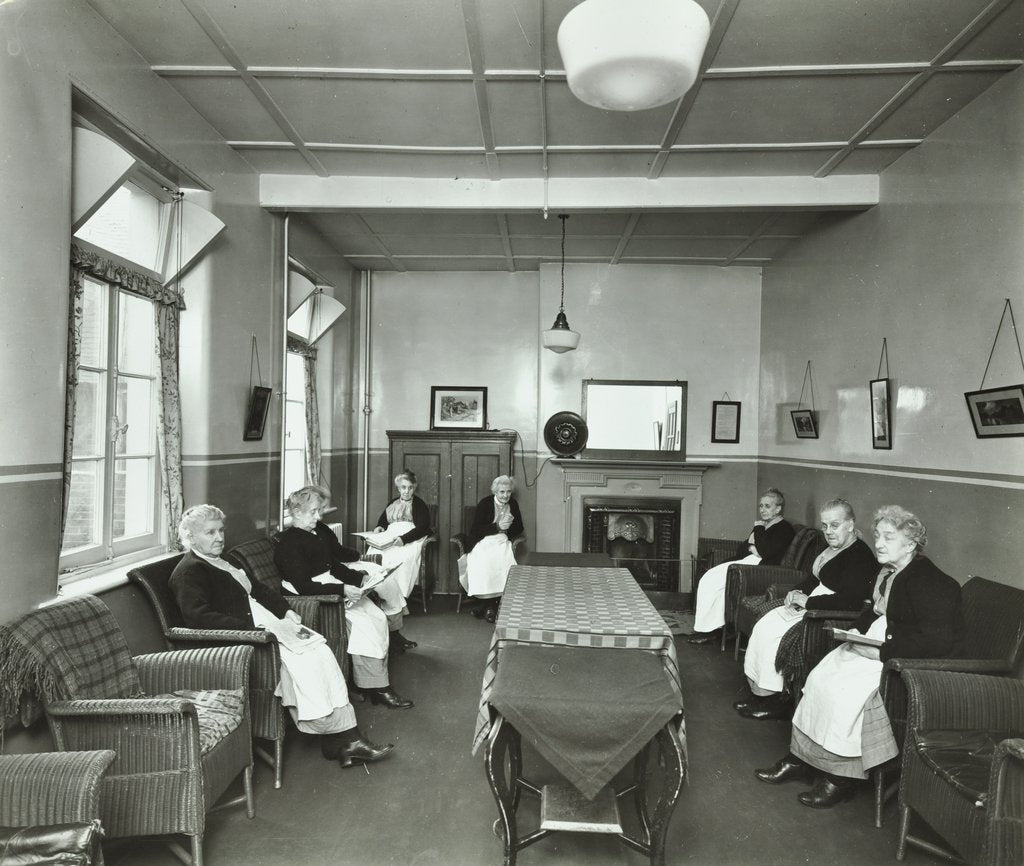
pixel 367 629
pixel 832 709
pixel 484 570
pixel 759 662
pixel 398 587
pixel 709 614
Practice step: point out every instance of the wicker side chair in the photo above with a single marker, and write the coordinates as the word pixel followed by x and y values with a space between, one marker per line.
pixel 267 713
pixel 963 766
pixel 325 613
pixel 751 581
pixel 460 544
pixel 169 767
pixel 48 788
pixel 711 552
pixel 993 644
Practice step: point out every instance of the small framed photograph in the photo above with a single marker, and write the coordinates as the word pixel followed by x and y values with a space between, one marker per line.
pixel 997 412
pixel 454 407
pixel 805 424
pixel 725 421
pixel 256 417
pixel 881 414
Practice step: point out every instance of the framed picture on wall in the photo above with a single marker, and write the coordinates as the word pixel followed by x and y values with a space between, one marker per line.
pixel 997 412
pixel 256 417
pixel 881 414
pixel 725 421
pixel 457 407
pixel 805 424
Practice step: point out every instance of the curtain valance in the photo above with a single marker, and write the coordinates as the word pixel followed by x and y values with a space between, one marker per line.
pixel 130 280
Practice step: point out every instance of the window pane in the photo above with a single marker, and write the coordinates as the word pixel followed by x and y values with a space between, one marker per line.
pixel 136 340
pixel 295 379
pixel 128 225
pixel 295 425
pixel 90 397
pixel 294 470
pixel 94 323
pixel 84 505
pixel 134 493
pixel 136 410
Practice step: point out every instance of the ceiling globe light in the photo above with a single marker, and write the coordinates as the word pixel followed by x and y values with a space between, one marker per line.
pixel 560 337
pixel 628 56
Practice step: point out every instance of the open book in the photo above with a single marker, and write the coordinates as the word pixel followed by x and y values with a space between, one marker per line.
pixel 373 581
pixel 855 637
pixel 379 540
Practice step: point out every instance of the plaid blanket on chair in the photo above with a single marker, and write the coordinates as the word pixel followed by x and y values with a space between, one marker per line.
pixel 70 650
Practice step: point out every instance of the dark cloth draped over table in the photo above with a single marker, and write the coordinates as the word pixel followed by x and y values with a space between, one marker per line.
pixel 587 711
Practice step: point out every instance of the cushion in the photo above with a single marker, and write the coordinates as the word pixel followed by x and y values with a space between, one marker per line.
pixel 72 844
pixel 219 712
pixel 962 758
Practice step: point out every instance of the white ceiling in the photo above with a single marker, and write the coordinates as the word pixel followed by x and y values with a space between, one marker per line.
pixel 473 92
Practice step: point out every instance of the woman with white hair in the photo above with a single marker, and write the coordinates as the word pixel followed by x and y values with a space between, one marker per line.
pixel 840 728
pixel 212 593
pixel 485 567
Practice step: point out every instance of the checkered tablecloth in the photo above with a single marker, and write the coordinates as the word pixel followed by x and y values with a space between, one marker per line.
pixel 566 606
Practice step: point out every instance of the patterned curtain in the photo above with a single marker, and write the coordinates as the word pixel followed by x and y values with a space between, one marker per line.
pixel 75 317
pixel 124 277
pixel 168 318
pixel 313 449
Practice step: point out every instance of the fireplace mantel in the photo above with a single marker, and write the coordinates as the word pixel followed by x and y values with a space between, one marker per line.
pixel 680 481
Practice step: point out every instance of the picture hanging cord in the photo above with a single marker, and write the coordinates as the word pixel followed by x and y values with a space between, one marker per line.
pixel 807 377
pixel 726 397
pixel 254 355
pixel 885 355
pixel 1006 308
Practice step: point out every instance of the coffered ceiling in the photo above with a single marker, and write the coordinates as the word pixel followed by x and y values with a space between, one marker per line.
pixel 434 134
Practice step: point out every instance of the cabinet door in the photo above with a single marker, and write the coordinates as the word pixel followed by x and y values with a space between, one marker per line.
pixel 431 461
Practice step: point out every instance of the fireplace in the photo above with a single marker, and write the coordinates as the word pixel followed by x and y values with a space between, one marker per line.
pixel 639 534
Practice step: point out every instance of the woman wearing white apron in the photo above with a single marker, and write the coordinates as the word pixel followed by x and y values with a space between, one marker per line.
pixel 841 578
pixel 840 728
pixel 484 569
pixel 212 593
pixel 406 519
pixel 311 561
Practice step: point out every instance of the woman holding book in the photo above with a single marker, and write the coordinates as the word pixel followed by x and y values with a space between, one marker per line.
pixel 840 728
pixel 841 579
pixel 212 593
pixel 400 534
pixel 312 561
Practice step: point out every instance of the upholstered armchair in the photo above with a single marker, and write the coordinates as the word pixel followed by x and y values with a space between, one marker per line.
pixel 460 546
pixel 38 791
pixel 177 722
pixel 268 715
pixel 745 585
pixel 993 644
pixel 963 766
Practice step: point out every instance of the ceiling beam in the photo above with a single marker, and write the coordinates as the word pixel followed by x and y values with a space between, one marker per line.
pixel 506 241
pixel 471 23
pixel 412 194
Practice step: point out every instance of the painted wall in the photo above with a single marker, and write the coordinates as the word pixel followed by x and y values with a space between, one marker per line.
pixel 928 269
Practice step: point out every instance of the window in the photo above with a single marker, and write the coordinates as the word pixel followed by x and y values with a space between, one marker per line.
pixel 294 424
pixel 113 503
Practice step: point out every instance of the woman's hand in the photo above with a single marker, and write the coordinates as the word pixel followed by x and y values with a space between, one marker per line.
pixel 504 522
pixel 352 593
pixel 292 616
pixel 796 599
pixel 378 529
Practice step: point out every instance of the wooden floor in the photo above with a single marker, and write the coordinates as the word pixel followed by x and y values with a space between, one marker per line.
pixel 429 803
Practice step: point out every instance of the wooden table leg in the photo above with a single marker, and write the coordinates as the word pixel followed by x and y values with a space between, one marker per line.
pixel 501 744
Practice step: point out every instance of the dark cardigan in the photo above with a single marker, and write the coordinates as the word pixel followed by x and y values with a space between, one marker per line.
pixel 420 516
pixel 923 615
pixel 209 597
pixel 771 543
pixel 300 555
pixel 484 525
pixel 850 575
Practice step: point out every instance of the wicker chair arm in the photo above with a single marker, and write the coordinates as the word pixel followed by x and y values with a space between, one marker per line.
pixel 51 787
pixel 123 707
pixel 322 599
pixel 847 616
pixel 778 590
pixel 1012 748
pixel 965 666
pixel 219 636
pixel 518 541
pixel 308 609
pixel 954 701
pixel 755 579
pixel 224 667
pixel 461 542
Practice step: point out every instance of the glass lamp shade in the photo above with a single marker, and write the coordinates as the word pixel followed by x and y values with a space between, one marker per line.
pixel 560 338
pixel 631 56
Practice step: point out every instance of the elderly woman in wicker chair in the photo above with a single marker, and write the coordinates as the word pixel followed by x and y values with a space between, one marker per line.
pixel 841 579
pixel 840 728
pixel 214 594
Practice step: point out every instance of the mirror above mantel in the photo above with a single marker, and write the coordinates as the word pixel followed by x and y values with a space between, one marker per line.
pixel 635 419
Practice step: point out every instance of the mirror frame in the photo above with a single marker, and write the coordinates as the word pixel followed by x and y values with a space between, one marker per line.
pixel 640 454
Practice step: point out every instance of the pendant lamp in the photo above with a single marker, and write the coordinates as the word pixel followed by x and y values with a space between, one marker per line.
pixel 628 56
pixel 560 337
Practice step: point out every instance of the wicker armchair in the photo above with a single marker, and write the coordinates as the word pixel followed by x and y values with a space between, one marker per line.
pixel 267 713
pixel 963 765
pixel 169 766
pixel 993 644
pixel 460 543
pixel 49 788
pixel 745 585
pixel 325 613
